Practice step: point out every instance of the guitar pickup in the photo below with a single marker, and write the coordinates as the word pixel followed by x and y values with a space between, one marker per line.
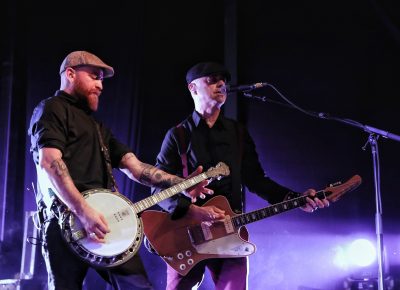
pixel 196 235
pixel 228 225
pixel 200 233
pixel 205 226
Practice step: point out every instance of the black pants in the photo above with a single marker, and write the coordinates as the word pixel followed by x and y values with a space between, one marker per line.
pixel 66 271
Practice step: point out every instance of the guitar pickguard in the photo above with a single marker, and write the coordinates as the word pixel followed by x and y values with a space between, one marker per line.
pixel 228 246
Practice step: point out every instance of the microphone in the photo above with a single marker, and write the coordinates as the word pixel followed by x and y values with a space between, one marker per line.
pixel 245 88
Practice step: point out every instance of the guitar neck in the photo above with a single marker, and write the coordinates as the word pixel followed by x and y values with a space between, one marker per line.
pixel 167 193
pixel 253 216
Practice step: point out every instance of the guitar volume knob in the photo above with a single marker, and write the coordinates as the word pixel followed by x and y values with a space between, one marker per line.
pixel 182 267
pixel 190 261
pixel 188 253
pixel 180 256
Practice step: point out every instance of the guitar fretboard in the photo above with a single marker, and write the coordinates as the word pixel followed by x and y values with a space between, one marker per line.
pixel 167 193
pixel 253 216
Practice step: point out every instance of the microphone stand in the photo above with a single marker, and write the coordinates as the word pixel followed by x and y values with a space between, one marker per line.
pixel 373 137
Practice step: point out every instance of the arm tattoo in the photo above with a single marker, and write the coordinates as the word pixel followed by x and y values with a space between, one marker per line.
pixel 152 176
pixel 127 156
pixel 145 176
pixel 60 168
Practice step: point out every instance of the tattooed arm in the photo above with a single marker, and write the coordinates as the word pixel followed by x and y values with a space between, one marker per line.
pixel 52 166
pixel 145 173
pixel 152 176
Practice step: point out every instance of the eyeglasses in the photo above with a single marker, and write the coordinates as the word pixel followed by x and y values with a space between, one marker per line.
pixel 213 79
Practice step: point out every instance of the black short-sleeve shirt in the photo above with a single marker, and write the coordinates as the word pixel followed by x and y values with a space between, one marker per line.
pixel 65 123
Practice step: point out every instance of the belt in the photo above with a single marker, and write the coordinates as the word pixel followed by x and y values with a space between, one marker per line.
pixel 48 214
pixel 45 214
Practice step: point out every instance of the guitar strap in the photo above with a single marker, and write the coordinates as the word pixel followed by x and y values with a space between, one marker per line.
pixel 182 142
pixel 107 159
pixel 237 198
pixel 57 207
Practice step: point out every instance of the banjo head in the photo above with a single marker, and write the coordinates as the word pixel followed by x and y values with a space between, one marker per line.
pixel 121 243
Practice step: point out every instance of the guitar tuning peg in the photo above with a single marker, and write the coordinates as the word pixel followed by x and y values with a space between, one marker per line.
pixel 335 184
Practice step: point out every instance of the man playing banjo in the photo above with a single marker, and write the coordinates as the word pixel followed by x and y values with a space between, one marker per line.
pixel 73 153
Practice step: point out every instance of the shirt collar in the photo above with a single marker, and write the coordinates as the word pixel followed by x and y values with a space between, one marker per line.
pixel 73 100
pixel 218 124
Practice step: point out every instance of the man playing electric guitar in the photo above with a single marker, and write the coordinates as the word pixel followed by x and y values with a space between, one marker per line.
pixel 207 137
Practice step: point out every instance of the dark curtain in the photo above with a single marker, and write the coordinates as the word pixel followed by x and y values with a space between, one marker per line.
pixel 341 58
pixel 147 44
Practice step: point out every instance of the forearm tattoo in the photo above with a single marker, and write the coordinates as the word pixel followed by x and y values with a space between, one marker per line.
pixel 153 176
pixel 126 157
pixel 60 168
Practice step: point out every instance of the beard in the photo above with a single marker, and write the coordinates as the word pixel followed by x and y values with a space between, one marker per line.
pixel 89 97
pixel 92 101
pixel 89 100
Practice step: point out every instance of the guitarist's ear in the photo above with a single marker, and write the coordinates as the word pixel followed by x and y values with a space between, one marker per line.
pixel 290 195
pixel 192 88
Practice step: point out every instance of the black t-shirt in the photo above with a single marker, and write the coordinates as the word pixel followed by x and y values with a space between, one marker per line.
pixel 65 123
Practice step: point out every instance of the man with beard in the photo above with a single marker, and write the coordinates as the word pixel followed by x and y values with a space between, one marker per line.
pixel 67 145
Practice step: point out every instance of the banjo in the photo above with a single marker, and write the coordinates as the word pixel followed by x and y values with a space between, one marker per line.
pixel 126 228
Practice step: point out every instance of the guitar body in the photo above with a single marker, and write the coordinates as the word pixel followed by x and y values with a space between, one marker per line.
pixel 179 244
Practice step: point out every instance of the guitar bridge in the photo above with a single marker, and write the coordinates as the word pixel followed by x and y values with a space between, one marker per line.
pixel 78 235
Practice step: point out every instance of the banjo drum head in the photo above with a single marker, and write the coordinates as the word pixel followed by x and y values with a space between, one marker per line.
pixel 125 236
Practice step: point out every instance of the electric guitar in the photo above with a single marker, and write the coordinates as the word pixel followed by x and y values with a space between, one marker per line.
pixel 185 242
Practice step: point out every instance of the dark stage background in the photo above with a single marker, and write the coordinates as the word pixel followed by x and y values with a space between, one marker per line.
pixel 338 57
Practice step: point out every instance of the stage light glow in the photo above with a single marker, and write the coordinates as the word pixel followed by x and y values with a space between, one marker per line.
pixel 357 253
pixel 340 259
pixel 361 252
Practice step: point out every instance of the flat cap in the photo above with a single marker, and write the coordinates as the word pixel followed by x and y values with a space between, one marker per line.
pixel 81 58
pixel 204 69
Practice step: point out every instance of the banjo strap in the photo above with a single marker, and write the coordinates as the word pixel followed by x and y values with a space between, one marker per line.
pixel 104 149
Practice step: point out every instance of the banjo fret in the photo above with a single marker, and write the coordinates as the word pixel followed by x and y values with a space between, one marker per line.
pixel 167 193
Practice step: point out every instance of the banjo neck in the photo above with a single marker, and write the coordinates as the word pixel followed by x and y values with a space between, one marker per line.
pixel 167 193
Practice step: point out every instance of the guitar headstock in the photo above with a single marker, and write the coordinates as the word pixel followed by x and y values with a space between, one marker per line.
pixel 336 190
pixel 220 170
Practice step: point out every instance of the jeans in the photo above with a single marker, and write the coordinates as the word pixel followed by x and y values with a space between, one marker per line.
pixel 226 273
